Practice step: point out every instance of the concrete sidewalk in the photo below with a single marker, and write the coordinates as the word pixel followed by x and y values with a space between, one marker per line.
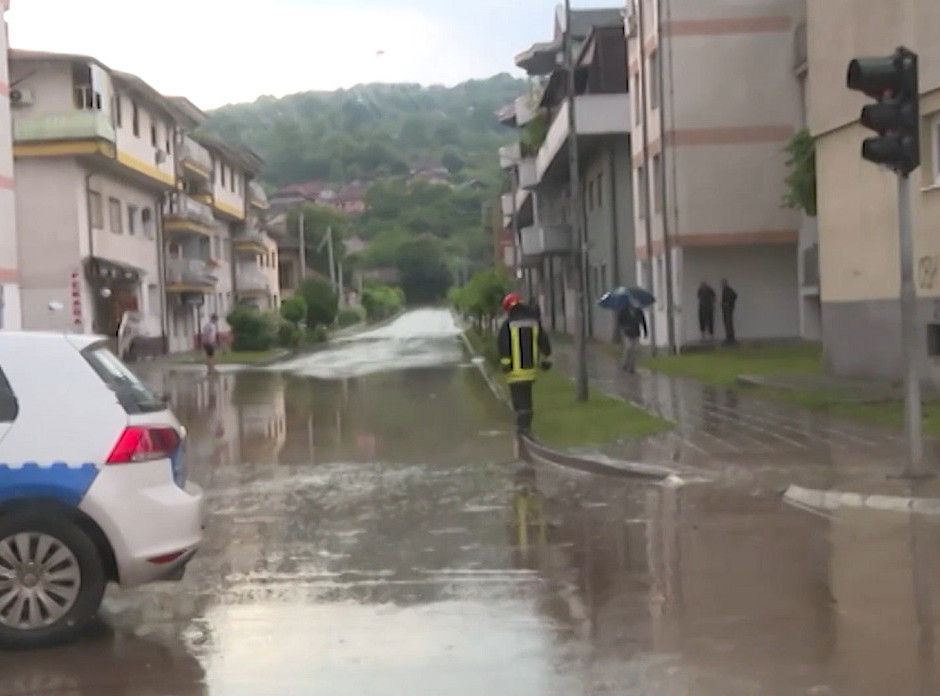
pixel 728 432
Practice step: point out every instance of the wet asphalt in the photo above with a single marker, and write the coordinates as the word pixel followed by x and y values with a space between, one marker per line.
pixel 368 532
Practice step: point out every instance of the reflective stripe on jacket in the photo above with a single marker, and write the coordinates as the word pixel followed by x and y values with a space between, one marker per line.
pixel 523 345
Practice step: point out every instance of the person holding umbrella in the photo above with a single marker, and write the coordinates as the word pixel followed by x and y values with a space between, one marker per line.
pixel 632 322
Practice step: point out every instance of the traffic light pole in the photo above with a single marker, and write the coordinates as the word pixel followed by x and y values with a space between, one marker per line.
pixel 909 341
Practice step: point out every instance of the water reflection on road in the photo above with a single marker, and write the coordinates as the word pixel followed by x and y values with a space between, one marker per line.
pixel 365 536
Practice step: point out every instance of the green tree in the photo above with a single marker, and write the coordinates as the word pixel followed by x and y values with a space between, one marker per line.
pixel 422 270
pixel 322 302
pixel 294 309
pixel 801 180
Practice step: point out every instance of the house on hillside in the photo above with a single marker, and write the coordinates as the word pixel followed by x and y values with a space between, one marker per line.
pixel 351 200
pixel 431 172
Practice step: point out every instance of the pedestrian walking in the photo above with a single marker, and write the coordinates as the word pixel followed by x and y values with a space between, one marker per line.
pixel 729 298
pixel 524 349
pixel 706 311
pixel 632 323
pixel 210 340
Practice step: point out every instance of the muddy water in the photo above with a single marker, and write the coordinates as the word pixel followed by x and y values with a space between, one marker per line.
pixel 366 535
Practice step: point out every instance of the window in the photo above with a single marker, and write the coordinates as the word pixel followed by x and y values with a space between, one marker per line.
pixel 227 251
pixel 169 140
pixel 590 196
pixel 232 181
pixel 146 222
pixel 118 115
pixel 600 189
pixel 131 393
pixel 153 133
pixel 653 77
pixel 933 340
pixel 642 191
pixel 935 136
pixel 9 406
pixel 97 210
pixel 132 212
pixel 114 212
pixel 135 119
pixel 222 174
pixel 658 183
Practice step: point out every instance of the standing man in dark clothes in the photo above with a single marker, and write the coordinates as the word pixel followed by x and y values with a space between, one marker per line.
pixel 524 349
pixel 729 298
pixel 706 311
pixel 632 323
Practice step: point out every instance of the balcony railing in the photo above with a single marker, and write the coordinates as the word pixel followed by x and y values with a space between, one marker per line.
pixel 251 240
pixel 251 279
pixel 182 207
pixel 80 124
pixel 546 239
pixel 811 266
pixel 194 156
pixel 190 272
pixel 509 155
pixel 256 195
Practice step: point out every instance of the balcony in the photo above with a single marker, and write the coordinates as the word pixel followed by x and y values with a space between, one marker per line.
pixel 256 196
pixel 185 215
pixel 80 124
pixel 528 178
pixel 546 239
pixel 509 155
pixel 189 275
pixel 527 109
pixel 252 242
pixel 508 203
pixel 595 115
pixel 194 158
pixel 251 280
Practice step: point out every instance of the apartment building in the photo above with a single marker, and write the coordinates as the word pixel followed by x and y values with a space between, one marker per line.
pixel 9 264
pixel 857 201
pixel 256 257
pixel 537 206
pixel 121 212
pixel 93 160
pixel 715 101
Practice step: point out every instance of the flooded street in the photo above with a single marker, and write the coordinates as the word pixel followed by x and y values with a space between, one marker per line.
pixel 369 533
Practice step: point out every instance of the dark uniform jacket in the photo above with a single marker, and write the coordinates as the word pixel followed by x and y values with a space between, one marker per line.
pixel 523 344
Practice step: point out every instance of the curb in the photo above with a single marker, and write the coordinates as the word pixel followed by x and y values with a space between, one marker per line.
pixel 834 500
pixel 534 452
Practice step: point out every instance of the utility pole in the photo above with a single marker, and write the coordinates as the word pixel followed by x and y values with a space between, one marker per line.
pixel 893 82
pixel 577 218
pixel 329 250
pixel 303 246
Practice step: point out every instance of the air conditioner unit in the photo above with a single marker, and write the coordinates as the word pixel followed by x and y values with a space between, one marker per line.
pixel 159 156
pixel 21 96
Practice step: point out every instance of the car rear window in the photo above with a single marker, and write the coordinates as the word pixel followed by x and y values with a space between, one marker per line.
pixel 9 406
pixel 131 392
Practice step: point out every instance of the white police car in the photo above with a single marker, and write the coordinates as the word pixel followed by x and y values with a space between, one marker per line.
pixel 92 485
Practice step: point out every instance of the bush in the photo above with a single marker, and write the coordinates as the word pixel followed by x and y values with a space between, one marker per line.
pixel 317 334
pixel 294 309
pixel 481 297
pixel 289 335
pixel 251 329
pixel 349 316
pixel 322 302
pixel 382 301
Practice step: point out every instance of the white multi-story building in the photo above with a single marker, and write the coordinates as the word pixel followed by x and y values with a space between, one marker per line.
pixel 120 210
pixel 9 273
pixel 256 257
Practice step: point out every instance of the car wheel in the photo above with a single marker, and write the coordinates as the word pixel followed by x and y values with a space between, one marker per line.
pixel 52 579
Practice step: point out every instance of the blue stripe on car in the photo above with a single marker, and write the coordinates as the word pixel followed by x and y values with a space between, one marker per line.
pixel 57 480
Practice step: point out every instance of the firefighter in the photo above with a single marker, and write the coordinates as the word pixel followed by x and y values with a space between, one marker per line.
pixel 524 349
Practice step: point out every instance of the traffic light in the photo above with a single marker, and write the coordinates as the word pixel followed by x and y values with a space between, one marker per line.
pixel 892 81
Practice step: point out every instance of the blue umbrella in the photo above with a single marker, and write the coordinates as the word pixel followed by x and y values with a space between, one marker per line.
pixel 622 297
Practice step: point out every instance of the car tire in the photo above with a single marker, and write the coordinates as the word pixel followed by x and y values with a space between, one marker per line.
pixel 83 565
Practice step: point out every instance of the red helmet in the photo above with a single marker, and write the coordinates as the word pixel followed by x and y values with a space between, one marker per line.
pixel 511 300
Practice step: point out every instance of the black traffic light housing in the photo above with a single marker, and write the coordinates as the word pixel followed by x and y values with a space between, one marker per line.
pixel 892 81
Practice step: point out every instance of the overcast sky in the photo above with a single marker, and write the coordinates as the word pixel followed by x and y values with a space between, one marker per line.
pixel 221 51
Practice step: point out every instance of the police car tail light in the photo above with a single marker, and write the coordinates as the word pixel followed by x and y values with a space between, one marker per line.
pixel 143 444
